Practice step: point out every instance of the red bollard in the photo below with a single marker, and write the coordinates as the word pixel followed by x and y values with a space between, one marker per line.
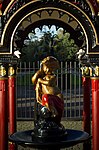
pixel 95 113
pixel 3 109
pixel 12 103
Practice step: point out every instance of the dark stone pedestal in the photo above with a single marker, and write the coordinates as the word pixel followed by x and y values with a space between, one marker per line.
pixel 48 134
pixel 71 138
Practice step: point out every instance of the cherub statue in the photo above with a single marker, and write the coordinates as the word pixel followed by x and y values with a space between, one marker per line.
pixel 47 92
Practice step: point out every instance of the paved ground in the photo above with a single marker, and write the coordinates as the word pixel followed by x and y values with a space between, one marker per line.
pixel 27 125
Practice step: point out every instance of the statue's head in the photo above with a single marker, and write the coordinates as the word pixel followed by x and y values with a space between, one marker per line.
pixel 50 62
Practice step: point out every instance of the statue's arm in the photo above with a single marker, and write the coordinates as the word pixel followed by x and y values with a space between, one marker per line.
pixel 36 76
pixel 38 93
pixel 48 82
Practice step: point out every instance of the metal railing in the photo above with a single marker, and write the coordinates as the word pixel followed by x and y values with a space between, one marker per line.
pixel 68 80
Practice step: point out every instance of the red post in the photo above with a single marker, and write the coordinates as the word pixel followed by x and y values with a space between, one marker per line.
pixel 86 103
pixel 3 109
pixel 86 82
pixel 12 102
pixel 95 113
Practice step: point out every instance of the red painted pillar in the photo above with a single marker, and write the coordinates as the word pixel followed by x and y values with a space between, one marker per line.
pixel 3 109
pixel 12 102
pixel 95 113
pixel 86 83
pixel 86 103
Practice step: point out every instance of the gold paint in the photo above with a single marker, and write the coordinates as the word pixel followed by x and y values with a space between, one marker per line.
pixel 45 81
pixel 95 78
pixel 98 1
pixel 86 71
pixel 92 53
pixel 8 6
pixel 91 7
pixel 34 17
pixel 2 71
pixel 11 2
pixel 97 70
pixel 54 15
pixel 73 24
pixel 3 78
pixel 26 23
pixel 11 71
pixel 91 73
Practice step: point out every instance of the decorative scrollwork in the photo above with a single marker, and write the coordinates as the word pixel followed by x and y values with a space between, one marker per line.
pixel 19 3
pixel 73 26
pixel 38 11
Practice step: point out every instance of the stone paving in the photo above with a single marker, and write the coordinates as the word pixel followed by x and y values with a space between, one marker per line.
pixel 26 125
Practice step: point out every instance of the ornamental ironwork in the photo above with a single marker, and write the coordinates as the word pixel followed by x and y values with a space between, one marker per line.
pixel 64 20
pixel 24 15
pixel 15 5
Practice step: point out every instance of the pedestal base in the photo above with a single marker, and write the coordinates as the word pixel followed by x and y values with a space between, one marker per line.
pixel 71 138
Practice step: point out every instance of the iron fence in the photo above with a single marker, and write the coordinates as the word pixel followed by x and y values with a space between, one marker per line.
pixel 68 80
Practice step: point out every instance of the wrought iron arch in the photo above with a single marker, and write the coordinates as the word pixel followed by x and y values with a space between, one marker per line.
pixel 75 34
pixel 37 12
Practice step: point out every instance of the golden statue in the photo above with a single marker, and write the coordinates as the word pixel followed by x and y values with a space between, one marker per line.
pixel 47 92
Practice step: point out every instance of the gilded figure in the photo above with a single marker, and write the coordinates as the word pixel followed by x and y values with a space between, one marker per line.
pixel 47 92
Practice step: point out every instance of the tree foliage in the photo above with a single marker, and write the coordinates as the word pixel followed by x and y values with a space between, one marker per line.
pixel 65 49
pixel 60 45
